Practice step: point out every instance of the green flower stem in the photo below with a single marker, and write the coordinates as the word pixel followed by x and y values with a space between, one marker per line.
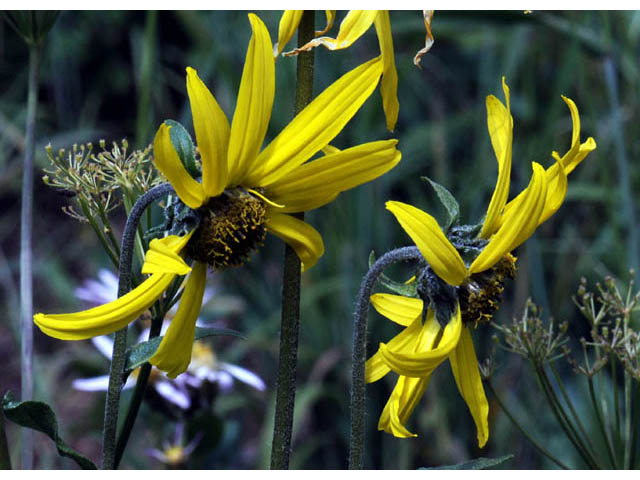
pixel 359 352
pixel 118 359
pixel 99 233
pixel 617 437
pixel 562 417
pixel 569 403
pixel 627 421
pixel 286 386
pixel 603 430
pixel 537 446
pixel 635 432
pixel 5 458
pixel 26 253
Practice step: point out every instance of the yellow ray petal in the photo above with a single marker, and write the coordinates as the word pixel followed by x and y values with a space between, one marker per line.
pixel 399 309
pixel 106 318
pixel 317 124
pixel 317 182
pixel 167 161
pixel 556 191
pixel 286 28
pixel 500 125
pixel 354 25
pixel 403 400
pixel 212 134
pixel 331 17
pixel 519 224
pixel 174 353
pixel 423 362
pixel 302 237
pixel 162 256
pixel 436 249
pixel 389 84
pixel 464 365
pixel 407 339
pixel 428 16
pixel 255 99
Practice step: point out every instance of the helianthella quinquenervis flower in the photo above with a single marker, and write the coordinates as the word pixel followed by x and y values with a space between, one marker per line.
pixel 243 193
pixel 462 282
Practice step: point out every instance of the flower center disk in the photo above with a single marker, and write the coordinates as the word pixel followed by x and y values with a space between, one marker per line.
pixel 232 225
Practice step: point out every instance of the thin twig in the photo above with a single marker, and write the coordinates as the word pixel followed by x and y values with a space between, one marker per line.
pixel 118 358
pixel 359 352
pixel 286 387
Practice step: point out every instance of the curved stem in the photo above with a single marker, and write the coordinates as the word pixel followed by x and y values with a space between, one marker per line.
pixel 359 352
pixel 287 362
pixel 120 342
pixel 603 430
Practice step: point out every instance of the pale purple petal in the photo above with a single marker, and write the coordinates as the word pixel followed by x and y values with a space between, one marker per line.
pixel 99 292
pixel 172 394
pixel 94 384
pixel 245 376
pixel 104 344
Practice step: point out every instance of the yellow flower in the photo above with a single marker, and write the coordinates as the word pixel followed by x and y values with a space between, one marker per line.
pixel 244 192
pixel 464 277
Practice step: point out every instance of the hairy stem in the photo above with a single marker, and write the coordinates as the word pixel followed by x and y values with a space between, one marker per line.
pixel 116 373
pixel 26 254
pixel 286 387
pixel 359 352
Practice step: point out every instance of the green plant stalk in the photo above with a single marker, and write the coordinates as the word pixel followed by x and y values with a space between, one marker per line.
pixel 537 446
pixel 561 415
pixel 118 358
pixel 286 387
pixel 635 432
pixel 359 350
pixel 572 409
pixel 104 218
pixel 617 437
pixel 5 457
pixel 26 254
pixel 627 421
pixel 98 231
pixel 601 424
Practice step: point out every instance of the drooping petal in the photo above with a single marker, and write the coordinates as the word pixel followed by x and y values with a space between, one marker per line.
pixel 255 99
pixel 354 25
pixel 436 249
pixel 464 365
pixel 212 134
pixel 422 362
pixel 556 191
pixel 286 28
pixel 245 376
pixel 174 353
pixel 302 237
pixel 500 125
pixel 428 16
pixel 519 224
pixel 318 182
pixel 403 400
pixel 331 17
pixel 399 309
pixel 106 318
pixel 167 161
pixel 389 84
pixel 316 125
pixel 406 340
pixel 162 256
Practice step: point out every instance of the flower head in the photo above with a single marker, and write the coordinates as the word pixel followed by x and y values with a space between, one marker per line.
pixel 462 281
pixel 241 193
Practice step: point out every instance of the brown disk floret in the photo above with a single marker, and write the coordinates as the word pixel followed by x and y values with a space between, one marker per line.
pixel 232 225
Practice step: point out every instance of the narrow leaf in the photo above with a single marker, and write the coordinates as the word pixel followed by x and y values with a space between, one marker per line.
pixel 39 416
pixel 183 144
pixel 448 201
pixel 142 352
pixel 475 464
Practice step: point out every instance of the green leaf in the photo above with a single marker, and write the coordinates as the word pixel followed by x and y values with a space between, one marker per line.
pixel 448 201
pixel 39 416
pixel 183 144
pixel 32 26
pixel 475 464
pixel 401 288
pixel 142 352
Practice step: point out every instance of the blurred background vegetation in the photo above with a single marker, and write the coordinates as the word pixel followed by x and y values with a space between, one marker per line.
pixel 114 75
